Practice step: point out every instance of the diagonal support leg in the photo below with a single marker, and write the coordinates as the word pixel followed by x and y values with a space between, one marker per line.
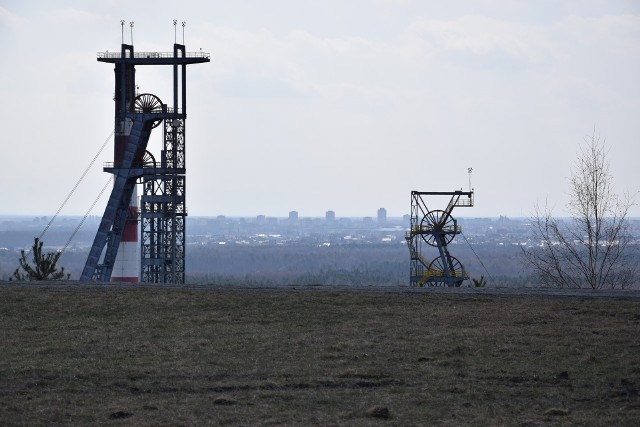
pixel 115 214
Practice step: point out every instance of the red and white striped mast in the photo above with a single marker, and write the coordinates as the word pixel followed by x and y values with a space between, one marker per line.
pixel 126 267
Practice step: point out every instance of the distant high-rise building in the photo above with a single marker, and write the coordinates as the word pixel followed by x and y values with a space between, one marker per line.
pixel 382 215
pixel 261 219
pixel 330 216
pixel 293 216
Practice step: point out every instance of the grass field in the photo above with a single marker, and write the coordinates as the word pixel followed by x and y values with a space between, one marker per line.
pixel 190 357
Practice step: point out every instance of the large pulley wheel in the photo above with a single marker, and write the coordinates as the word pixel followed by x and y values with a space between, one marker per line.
pixel 453 267
pixel 148 103
pixel 438 228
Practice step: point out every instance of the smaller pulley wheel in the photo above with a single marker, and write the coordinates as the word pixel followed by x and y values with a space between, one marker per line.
pixel 451 270
pixel 438 228
pixel 148 161
pixel 148 103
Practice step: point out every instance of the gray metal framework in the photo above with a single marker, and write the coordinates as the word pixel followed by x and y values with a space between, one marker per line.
pixel 163 210
pixel 435 229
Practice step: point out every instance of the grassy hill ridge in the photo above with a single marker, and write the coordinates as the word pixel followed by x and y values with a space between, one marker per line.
pixel 150 356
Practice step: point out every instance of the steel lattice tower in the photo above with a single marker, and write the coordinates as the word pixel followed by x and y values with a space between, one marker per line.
pixel 162 205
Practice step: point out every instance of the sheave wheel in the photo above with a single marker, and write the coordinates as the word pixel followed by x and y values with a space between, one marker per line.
pixel 148 103
pixel 454 267
pixel 441 226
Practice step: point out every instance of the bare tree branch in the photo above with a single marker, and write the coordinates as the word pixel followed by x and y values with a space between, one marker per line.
pixel 592 249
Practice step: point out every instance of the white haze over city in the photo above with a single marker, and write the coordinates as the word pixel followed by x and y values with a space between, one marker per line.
pixel 329 105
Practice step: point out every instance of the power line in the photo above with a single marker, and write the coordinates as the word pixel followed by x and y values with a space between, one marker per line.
pixel 76 185
pixel 474 252
pixel 87 213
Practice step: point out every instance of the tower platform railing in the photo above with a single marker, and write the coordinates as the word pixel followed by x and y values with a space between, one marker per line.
pixel 151 55
pixel 428 229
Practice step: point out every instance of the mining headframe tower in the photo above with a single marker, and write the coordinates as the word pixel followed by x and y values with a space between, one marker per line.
pixel 435 229
pixel 162 210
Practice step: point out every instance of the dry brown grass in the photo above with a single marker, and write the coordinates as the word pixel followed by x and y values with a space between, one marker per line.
pixel 191 357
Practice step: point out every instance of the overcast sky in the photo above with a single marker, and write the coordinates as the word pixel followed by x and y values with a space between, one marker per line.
pixel 329 105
